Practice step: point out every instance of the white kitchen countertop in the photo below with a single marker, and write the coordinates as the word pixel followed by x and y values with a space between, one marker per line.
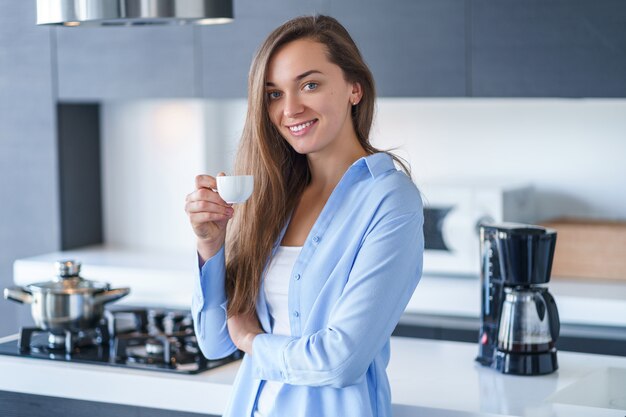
pixel 165 280
pixel 428 379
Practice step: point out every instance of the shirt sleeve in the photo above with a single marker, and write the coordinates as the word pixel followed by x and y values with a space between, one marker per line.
pixel 208 307
pixel 385 273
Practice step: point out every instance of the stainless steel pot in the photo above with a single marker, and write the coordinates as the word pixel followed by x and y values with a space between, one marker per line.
pixel 68 302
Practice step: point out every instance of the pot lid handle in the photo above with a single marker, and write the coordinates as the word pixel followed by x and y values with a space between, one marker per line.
pixel 67 268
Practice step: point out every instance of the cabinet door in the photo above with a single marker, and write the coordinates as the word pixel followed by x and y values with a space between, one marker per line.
pixel 125 62
pixel 28 169
pixel 415 48
pixel 29 210
pixel 226 51
pixel 548 48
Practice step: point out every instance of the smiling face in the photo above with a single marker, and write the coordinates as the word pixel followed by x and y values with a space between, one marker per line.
pixel 309 100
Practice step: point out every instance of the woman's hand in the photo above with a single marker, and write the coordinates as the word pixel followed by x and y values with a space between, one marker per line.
pixel 208 215
pixel 243 329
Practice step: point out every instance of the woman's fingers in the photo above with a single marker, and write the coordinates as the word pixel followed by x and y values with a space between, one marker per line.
pixel 200 206
pixel 205 194
pixel 205 181
pixel 207 211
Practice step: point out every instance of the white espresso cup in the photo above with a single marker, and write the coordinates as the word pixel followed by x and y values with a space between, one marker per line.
pixel 235 188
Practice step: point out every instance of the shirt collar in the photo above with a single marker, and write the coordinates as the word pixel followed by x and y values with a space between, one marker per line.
pixel 377 163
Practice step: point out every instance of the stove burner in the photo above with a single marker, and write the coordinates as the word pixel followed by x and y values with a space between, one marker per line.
pixel 56 341
pixel 161 321
pixel 69 342
pixel 154 347
pixel 167 350
pixel 152 339
pixel 191 344
pixel 127 320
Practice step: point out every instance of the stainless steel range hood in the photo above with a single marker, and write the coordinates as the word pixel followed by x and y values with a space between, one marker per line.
pixel 133 12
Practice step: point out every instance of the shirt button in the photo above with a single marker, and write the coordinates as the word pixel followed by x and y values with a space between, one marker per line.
pixel 296 314
pixel 316 239
pixel 297 277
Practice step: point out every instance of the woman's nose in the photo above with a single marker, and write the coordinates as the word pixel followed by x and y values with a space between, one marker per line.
pixel 293 105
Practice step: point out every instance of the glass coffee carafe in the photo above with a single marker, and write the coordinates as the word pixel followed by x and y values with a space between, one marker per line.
pixel 529 322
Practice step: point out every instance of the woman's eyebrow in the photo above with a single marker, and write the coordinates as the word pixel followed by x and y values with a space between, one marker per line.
pixel 298 78
pixel 306 74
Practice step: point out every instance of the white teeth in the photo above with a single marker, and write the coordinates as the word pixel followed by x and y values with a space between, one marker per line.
pixel 300 127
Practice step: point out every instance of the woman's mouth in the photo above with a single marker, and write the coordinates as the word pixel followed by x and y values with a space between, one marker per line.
pixel 302 128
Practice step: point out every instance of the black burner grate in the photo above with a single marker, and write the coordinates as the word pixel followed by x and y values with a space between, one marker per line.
pixel 152 339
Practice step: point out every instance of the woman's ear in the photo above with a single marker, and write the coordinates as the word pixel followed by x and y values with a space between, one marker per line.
pixel 357 93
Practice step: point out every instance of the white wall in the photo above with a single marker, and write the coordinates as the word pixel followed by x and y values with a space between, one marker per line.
pixel 151 152
pixel 572 151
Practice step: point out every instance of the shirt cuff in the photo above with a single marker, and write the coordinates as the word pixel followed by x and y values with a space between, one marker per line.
pixel 268 357
pixel 209 289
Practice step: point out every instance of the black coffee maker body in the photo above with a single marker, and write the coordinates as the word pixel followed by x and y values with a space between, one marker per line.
pixel 519 317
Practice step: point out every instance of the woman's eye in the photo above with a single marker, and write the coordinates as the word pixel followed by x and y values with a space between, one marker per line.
pixel 273 95
pixel 310 86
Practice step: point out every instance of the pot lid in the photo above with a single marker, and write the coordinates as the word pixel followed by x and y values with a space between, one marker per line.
pixel 133 12
pixel 68 281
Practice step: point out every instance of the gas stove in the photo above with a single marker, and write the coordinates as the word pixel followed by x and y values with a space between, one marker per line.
pixel 143 338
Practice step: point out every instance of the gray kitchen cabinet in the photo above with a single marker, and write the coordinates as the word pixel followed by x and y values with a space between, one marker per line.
pixel 102 63
pixel 226 51
pixel 29 211
pixel 548 48
pixel 415 48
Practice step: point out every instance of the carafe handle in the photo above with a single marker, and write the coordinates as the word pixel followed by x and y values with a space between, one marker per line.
pixel 553 315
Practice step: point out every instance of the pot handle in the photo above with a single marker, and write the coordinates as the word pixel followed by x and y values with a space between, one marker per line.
pixel 110 295
pixel 18 294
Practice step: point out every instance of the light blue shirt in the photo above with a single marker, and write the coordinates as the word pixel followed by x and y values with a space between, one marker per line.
pixel 353 279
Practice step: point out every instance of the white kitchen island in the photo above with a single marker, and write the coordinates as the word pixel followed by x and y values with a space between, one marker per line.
pixel 428 379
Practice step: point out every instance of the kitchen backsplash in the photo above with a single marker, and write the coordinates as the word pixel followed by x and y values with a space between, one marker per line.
pixel 571 151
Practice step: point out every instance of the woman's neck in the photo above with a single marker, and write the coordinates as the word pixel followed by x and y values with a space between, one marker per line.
pixel 328 168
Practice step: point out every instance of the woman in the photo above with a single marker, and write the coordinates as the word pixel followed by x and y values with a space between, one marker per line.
pixel 319 264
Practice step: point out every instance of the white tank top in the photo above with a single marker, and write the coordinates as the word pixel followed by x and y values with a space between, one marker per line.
pixel 276 291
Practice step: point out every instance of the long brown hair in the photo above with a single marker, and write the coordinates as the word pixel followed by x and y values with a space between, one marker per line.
pixel 280 173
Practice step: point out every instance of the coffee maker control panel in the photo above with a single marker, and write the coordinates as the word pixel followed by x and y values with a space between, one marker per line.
pixel 492 290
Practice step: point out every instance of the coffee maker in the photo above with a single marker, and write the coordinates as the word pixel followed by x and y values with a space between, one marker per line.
pixel 519 317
